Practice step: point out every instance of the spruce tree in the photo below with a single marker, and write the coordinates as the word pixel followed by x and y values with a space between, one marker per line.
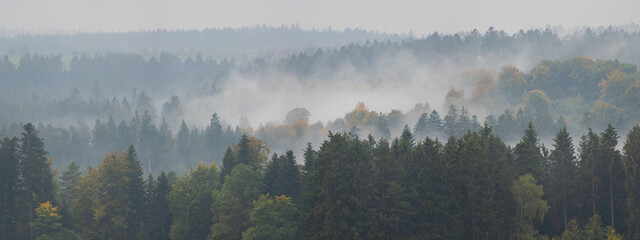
pixel 615 174
pixel 36 174
pixel 68 190
pixel 134 193
pixel 421 128
pixel 393 202
pixel 528 158
pixel 562 172
pixel 9 187
pixel 632 181
pixel 228 162
pixel 590 169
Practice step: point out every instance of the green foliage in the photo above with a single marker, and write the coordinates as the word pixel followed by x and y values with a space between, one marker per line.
pixel 37 176
pixel 157 223
pixel 282 176
pixel 393 200
pixel 190 201
pixel 340 190
pixel 9 187
pixel 47 220
pixel 232 204
pixel 531 208
pixel 631 162
pixel 528 157
pixel 273 218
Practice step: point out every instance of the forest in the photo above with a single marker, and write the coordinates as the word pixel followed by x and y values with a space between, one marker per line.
pixel 488 135
pixel 469 187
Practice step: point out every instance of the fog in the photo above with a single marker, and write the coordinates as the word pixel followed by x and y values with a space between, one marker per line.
pixel 421 17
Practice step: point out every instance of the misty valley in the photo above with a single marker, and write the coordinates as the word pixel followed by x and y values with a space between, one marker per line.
pixel 238 134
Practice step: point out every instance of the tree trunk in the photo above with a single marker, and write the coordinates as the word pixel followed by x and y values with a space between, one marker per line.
pixel 611 194
pixel 564 204
pixel 593 192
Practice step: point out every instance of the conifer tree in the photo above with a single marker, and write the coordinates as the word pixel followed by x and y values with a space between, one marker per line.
pixel 232 204
pixel 36 174
pixel 134 191
pixel 590 169
pixel 282 176
pixel 393 207
pixel 613 158
pixel 190 203
pixel 562 170
pixel 528 158
pixel 632 181
pixel 9 187
pixel 68 190
pixel 228 162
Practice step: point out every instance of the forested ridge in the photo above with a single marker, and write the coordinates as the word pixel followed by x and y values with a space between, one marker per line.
pixel 468 187
pixel 514 136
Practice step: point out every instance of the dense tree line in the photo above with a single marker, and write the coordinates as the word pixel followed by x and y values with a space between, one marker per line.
pixel 469 187
pixel 48 74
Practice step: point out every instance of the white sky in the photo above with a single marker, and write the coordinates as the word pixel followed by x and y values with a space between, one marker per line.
pixel 397 16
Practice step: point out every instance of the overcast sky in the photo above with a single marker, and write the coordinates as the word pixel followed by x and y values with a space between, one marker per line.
pixel 396 16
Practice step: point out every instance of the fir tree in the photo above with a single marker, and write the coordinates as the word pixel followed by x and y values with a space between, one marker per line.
pixel 632 181
pixel 563 177
pixel 9 187
pixel 36 174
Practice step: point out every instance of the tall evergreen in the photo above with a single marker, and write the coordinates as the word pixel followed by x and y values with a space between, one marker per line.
pixel 421 127
pixel 244 154
pixel 528 158
pixel 615 175
pixel 282 176
pixel 435 124
pixel 340 190
pixel 394 208
pixel 590 169
pixel 68 190
pixel 632 181
pixel 309 156
pixel 158 220
pixel 135 185
pixel 232 204
pixel 9 187
pixel 228 162
pixel 190 203
pixel 36 175
pixel 562 171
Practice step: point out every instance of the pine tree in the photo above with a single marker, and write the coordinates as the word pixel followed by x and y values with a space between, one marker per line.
pixel 184 143
pixel 158 221
pixel 615 174
pixel 244 155
pixel 590 169
pixel 9 187
pixel 393 206
pixel 228 162
pixel 282 176
pixel 309 156
pixel 421 128
pixel 435 124
pixel 340 190
pixel 563 178
pixel 632 181
pixel 528 158
pixel 232 204
pixel 68 190
pixel 190 203
pixel 430 178
pixel 451 121
pixel 134 185
pixel 36 174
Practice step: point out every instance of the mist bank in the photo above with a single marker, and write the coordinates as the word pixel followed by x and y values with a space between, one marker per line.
pixel 218 43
